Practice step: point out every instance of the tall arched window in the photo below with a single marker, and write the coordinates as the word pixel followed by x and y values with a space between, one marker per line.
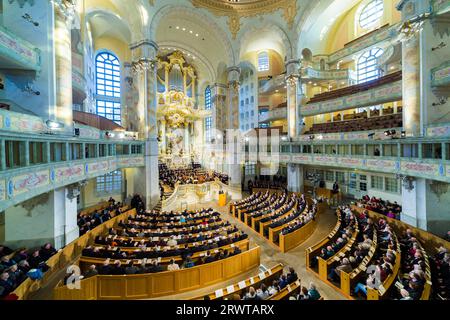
pixel 263 61
pixel 108 86
pixel 371 14
pixel 367 65
pixel 208 98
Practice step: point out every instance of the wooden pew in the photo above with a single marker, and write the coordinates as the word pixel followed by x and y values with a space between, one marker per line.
pixel 265 277
pixel 294 239
pixel 191 244
pixel 152 285
pixel 100 206
pixel 324 265
pixel 67 255
pixel 349 280
pixel 85 262
pixel 286 292
pixel 313 251
pixel 386 286
pixel 264 225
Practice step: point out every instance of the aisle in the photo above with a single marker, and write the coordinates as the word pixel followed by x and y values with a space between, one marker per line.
pixel 270 255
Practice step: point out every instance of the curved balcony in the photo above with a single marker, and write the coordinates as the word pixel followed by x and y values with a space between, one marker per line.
pixel 337 75
pixel 382 90
pixel 278 113
pixel 17 53
pixel 276 83
pixel 96 121
pixel 400 157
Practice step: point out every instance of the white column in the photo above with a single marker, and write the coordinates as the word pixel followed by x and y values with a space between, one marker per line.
pixel 144 66
pixel 293 97
pixel 163 136
pixel 234 168
pixel 63 64
pixel 186 140
pixel 295 177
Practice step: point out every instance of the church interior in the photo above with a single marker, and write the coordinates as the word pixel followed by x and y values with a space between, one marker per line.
pixel 224 150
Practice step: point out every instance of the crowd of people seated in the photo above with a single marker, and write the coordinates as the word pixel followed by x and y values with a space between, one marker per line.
pixel 298 219
pixel 278 182
pixel 16 266
pixel 88 222
pixel 286 205
pixel 358 123
pixel 192 237
pixel 347 226
pixel 359 250
pixel 265 292
pixel 272 203
pixel 440 270
pixel 171 177
pixel 385 207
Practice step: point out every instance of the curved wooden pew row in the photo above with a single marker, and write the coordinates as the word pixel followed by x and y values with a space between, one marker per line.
pixel 85 262
pixel 145 286
pixel 264 277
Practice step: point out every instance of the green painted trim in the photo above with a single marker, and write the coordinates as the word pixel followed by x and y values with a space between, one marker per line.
pixel 46 177
pixel 421 168
pixel 444 79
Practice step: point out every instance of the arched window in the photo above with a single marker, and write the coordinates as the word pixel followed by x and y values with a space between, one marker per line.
pixel 108 86
pixel 263 61
pixel 367 65
pixel 208 98
pixel 371 14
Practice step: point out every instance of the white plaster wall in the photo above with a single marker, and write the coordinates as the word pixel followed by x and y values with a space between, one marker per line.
pixel 29 229
pixel 42 38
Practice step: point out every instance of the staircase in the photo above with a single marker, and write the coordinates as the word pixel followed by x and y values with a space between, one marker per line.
pixel 158 208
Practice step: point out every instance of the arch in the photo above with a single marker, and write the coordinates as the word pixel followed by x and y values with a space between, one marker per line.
pixel 201 59
pixel 119 20
pixel 307 54
pixel 218 32
pixel 258 29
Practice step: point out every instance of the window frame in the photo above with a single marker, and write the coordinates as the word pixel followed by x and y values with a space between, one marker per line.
pixel 263 61
pixel 108 86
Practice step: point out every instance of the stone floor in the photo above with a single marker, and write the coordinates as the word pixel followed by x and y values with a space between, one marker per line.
pixel 271 256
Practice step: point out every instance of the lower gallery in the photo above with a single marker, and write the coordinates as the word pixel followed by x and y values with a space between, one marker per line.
pixel 224 150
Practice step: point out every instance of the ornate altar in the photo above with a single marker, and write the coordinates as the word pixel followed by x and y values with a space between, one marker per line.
pixel 177 105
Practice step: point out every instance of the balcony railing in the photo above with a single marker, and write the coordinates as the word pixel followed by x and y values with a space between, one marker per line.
pixel 386 89
pixel 343 74
pixel 273 83
pixel 275 114
pixel 18 53
pixel 392 159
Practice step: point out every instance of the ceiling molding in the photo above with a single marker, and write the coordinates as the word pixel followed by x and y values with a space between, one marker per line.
pixel 191 12
pixel 249 8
